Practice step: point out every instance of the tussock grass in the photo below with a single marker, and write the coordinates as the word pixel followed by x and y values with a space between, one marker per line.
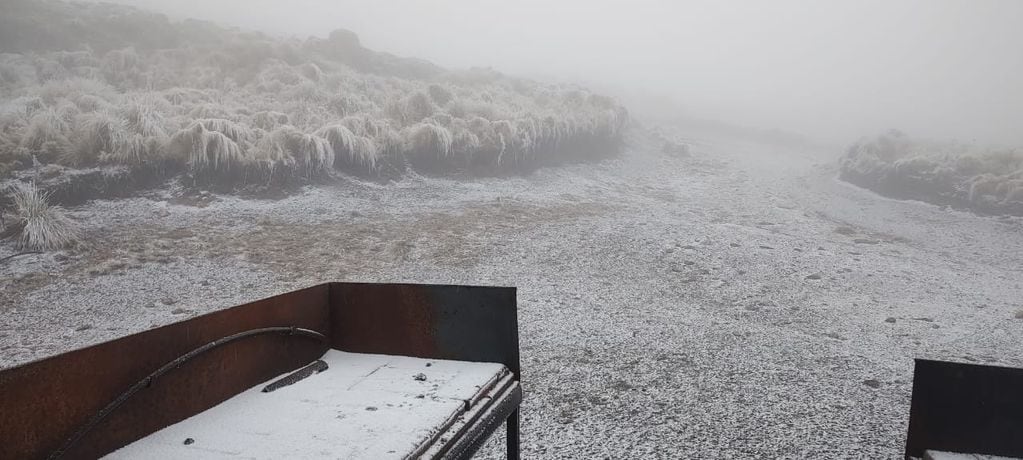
pixel 351 150
pixel 42 226
pixel 965 176
pixel 310 153
pixel 205 151
pixel 222 102
pixel 428 139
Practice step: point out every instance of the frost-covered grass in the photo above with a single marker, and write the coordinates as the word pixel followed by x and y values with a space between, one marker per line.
pixel 988 180
pixel 219 103
pixel 40 226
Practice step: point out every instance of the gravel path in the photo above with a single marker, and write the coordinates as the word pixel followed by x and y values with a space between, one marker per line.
pixel 741 303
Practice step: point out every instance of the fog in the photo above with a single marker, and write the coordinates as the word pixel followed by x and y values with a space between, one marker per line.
pixel 832 70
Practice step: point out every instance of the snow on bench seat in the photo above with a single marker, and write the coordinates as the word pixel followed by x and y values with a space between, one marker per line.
pixel 938 455
pixel 363 406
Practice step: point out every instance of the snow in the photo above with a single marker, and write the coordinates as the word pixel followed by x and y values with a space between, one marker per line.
pixel 364 406
pixel 652 315
pixel 938 455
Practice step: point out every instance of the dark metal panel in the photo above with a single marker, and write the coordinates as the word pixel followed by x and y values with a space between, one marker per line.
pixel 42 403
pixel 465 446
pixel 966 408
pixel 465 323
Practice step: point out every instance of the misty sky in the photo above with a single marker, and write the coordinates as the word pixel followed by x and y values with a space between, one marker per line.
pixel 828 69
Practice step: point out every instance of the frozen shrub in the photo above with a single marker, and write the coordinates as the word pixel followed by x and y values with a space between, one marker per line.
pixel 427 139
pixel 208 110
pixel 440 95
pixel 944 173
pixel 97 134
pixel 311 71
pixel 205 151
pixel 47 132
pixel 234 131
pixel 268 120
pixel 122 68
pixel 181 96
pixel 350 150
pixel 42 226
pixel 310 153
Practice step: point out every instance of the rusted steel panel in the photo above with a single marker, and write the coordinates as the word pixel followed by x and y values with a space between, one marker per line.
pixel 463 323
pixel 966 408
pixel 44 402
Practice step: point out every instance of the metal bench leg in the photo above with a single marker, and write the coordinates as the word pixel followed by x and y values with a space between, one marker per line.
pixel 513 435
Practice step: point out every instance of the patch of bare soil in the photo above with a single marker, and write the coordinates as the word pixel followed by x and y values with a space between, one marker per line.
pixel 456 239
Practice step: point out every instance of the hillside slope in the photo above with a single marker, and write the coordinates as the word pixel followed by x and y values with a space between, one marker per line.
pixel 85 85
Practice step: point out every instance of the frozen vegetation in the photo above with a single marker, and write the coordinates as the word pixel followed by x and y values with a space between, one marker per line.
pixel 949 173
pixel 94 85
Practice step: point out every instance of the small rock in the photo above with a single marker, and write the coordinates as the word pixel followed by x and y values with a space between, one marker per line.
pixel 180 311
pixel 734 245
pixel 371 408
pixel 83 327
pixel 189 441
pixel 169 301
pixel 865 241
pixel 813 276
pixel 872 383
pixel 420 377
pixel 764 246
pixel 890 319
pixel 688 262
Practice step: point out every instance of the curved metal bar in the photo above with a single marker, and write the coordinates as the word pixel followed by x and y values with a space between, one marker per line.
pixel 148 380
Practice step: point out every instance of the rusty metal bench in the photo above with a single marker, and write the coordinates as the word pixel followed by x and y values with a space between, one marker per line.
pixel 91 402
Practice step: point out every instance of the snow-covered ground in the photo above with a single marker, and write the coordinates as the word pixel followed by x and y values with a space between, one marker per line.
pixel 741 303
